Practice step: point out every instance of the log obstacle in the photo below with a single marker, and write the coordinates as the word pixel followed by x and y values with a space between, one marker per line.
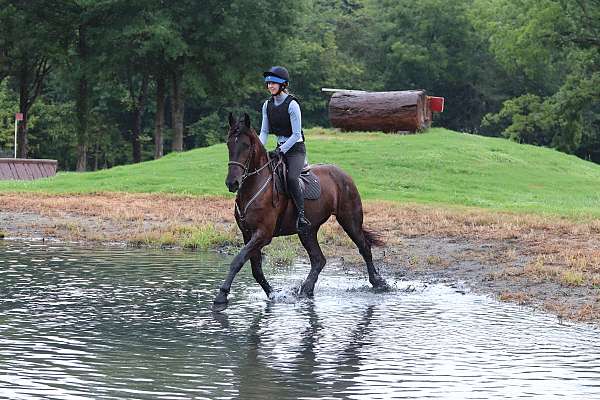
pixel 398 111
pixel 26 168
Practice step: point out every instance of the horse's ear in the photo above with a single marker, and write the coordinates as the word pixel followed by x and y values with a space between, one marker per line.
pixel 247 120
pixel 231 120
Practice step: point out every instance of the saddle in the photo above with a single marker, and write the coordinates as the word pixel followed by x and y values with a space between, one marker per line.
pixel 309 182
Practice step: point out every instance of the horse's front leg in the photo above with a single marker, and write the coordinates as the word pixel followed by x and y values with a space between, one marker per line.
pixel 257 242
pixel 256 263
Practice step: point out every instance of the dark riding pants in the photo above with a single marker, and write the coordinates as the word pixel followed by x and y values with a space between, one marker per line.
pixel 294 160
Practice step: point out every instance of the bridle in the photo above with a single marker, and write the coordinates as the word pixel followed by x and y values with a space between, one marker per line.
pixel 245 167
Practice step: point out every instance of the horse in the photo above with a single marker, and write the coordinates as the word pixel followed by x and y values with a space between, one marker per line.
pixel 261 217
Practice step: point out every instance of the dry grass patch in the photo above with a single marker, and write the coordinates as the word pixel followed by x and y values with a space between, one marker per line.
pixel 394 220
pixel 542 268
pixel 72 230
pixel 411 220
pixel 505 273
pixel 588 311
pixel 520 297
pixel 332 234
pixel 567 267
pixel 125 207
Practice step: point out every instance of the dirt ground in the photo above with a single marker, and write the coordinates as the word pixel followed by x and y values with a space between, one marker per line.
pixel 547 263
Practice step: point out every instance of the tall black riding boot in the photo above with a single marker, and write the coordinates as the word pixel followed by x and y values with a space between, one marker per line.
pixel 302 224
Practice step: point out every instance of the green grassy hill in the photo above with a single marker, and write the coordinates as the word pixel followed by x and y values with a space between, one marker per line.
pixel 438 167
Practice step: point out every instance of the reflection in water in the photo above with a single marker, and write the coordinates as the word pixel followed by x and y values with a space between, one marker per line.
pixel 302 375
pixel 122 323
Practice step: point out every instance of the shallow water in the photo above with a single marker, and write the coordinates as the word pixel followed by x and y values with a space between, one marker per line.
pixel 108 323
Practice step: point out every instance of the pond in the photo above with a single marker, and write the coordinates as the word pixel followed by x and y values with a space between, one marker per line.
pixel 110 323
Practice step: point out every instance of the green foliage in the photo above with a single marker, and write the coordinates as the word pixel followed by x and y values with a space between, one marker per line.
pixel 208 130
pixel 554 44
pixel 315 60
pixel 568 120
pixel 522 119
pixel 8 108
pixel 433 45
pixel 531 66
pixel 438 167
pixel 524 37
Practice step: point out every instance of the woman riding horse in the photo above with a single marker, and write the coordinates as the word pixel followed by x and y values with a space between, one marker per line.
pixel 281 116
pixel 259 213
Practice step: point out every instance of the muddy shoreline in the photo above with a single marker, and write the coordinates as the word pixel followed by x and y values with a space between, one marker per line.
pixel 548 263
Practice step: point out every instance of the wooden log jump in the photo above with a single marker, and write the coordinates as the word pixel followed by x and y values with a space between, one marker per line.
pixel 26 169
pixel 398 111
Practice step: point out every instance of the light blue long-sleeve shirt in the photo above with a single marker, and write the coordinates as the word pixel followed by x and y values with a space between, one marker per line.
pixel 285 143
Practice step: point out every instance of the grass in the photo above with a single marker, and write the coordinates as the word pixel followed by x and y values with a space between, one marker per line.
pixel 572 278
pixel 192 237
pixel 282 251
pixel 440 167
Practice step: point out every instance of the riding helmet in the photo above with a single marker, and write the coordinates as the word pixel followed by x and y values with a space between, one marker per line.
pixel 277 74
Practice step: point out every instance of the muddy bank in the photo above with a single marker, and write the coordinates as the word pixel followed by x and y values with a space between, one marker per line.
pixel 548 263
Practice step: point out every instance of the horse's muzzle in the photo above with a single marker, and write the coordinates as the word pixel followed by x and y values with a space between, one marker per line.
pixel 233 185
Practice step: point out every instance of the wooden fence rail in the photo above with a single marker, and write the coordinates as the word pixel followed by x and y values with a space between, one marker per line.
pixel 26 169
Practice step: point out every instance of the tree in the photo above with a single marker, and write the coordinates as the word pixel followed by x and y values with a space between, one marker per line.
pixel 558 44
pixel 433 45
pixel 230 43
pixel 28 54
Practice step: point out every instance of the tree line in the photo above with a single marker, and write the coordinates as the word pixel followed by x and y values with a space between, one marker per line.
pixel 108 82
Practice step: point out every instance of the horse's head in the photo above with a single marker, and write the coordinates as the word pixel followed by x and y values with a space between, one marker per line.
pixel 241 143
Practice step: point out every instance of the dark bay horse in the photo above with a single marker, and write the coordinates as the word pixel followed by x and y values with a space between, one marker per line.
pixel 260 217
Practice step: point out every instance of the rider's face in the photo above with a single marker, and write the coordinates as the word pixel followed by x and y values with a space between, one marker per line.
pixel 273 87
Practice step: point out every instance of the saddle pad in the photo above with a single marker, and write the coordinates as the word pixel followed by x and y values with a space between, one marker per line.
pixel 309 183
pixel 311 188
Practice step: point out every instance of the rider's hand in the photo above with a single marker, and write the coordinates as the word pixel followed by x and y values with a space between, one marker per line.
pixel 275 153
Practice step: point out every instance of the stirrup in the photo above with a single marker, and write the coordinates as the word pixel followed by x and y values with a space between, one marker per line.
pixel 302 223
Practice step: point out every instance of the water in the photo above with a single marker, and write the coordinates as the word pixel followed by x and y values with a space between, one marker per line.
pixel 108 323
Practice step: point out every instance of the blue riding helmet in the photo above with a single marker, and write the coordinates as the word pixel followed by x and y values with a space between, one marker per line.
pixel 277 74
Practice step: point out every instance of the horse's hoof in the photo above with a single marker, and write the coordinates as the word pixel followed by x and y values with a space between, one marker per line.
pixel 219 306
pixel 306 294
pixel 380 285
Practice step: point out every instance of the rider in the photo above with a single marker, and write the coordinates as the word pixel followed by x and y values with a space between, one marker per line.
pixel 281 116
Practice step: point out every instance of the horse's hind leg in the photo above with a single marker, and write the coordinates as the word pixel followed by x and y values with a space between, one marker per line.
pixel 317 262
pixel 352 225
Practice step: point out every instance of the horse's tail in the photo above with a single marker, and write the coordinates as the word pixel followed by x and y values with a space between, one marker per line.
pixel 373 238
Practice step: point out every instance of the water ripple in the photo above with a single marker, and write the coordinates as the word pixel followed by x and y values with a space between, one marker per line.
pixel 79 323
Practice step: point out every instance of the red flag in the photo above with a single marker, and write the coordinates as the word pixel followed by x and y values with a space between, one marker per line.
pixel 19 116
pixel 436 104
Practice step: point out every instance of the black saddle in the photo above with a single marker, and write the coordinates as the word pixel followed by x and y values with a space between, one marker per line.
pixel 309 182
